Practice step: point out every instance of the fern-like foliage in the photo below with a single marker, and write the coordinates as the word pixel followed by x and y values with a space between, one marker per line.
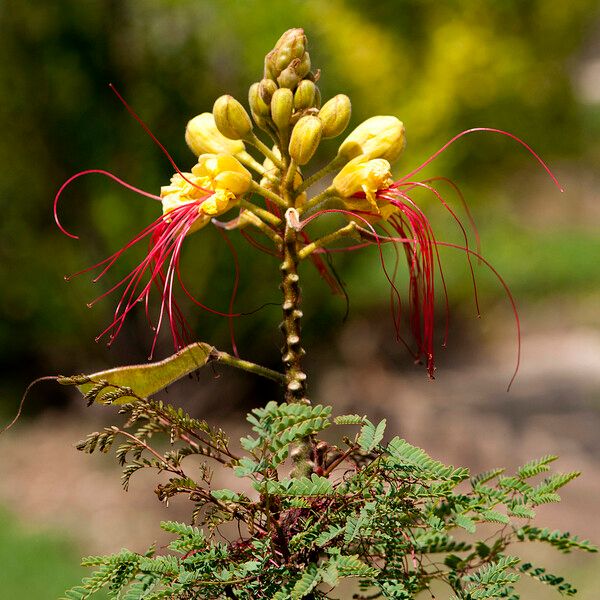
pixel 384 514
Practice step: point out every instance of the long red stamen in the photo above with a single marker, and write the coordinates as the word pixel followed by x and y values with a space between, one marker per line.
pixel 153 137
pixel 464 205
pixel 464 234
pixel 403 240
pixel 88 172
pixel 359 215
pixel 490 130
pixel 236 282
pixel 165 248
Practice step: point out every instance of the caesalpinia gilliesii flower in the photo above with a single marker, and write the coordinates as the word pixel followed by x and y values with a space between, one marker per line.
pixel 366 176
pixel 214 186
pixel 221 174
pixel 370 196
pixel 365 186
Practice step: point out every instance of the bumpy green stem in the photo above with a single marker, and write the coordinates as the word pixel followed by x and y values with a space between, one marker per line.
pixel 292 350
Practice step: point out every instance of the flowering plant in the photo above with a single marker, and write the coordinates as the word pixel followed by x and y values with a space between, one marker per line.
pixel 384 514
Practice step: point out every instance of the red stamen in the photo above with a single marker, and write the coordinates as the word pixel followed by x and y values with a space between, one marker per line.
pixel 490 130
pixel 464 205
pixel 236 283
pixel 88 172
pixel 153 137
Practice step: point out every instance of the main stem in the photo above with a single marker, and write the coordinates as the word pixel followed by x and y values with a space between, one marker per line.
pixel 292 351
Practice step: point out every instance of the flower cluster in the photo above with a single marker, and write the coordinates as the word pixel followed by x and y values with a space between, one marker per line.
pixel 286 106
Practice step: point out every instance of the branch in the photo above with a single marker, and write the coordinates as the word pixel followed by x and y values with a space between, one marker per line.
pixel 327 239
pixel 246 365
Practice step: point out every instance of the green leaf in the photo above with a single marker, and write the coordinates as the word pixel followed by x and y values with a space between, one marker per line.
pixel 562 541
pixel 370 436
pixel 494 517
pixel 307 583
pixel 301 486
pixel 535 467
pixel 404 453
pixel 352 566
pixel 539 573
pixel 146 379
pixel 329 534
pixel 349 420
pixel 466 523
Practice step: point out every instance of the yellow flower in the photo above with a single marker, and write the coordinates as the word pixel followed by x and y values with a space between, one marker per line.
pixel 221 201
pixel 363 175
pixel 377 137
pixel 222 172
pixel 181 191
pixel 215 183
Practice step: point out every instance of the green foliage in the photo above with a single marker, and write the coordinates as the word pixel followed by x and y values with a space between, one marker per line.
pixel 385 515
pixel 370 435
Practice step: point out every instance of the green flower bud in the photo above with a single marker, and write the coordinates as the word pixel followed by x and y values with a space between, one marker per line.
pixel 303 67
pixel 266 90
pixel 305 95
pixel 257 105
pixel 231 118
pixel 291 45
pixel 282 105
pixel 203 137
pixel 305 139
pixel 377 137
pixel 289 77
pixel 269 72
pixel 335 115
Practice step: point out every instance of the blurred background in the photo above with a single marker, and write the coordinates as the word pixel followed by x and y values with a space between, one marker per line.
pixel 532 68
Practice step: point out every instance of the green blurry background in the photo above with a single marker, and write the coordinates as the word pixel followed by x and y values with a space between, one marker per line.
pixel 532 68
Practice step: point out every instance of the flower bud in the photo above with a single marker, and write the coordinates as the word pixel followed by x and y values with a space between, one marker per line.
pixel 335 115
pixel 267 88
pixel 362 175
pixel 282 105
pixel 294 41
pixel 305 139
pixel 377 137
pixel 202 136
pixel 257 104
pixel 303 65
pixel 305 95
pixel 291 45
pixel 289 77
pixel 269 72
pixel 231 118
